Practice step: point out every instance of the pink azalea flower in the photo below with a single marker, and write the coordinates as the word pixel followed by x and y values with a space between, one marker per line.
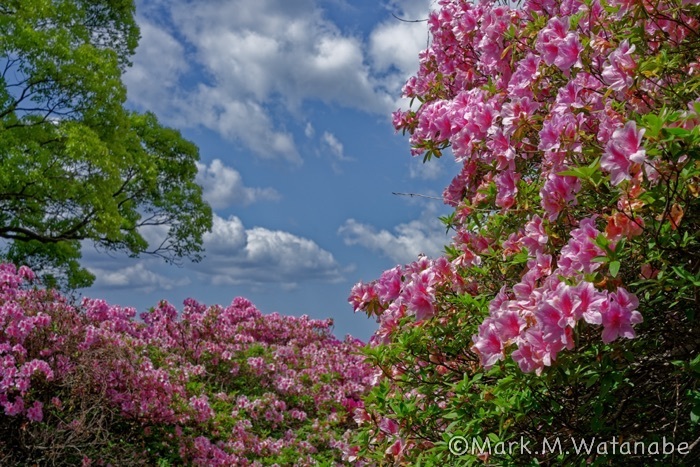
pixel 550 37
pixel 35 413
pixel 619 73
pixel 421 294
pixel 487 345
pixel 557 193
pixel 578 254
pixel 534 352
pixel 569 50
pixel 623 150
pixel 590 302
pixel 388 285
pixel 618 316
pixel 535 236
pixel 508 325
pixel 526 71
pixel 507 189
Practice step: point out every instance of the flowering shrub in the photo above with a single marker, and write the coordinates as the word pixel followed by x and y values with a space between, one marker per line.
pixel 575 260
pixel 210 386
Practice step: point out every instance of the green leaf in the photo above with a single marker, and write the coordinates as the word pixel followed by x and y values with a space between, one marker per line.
pixel 614 268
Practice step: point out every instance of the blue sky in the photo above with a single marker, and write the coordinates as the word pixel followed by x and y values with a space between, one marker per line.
pixel 290 103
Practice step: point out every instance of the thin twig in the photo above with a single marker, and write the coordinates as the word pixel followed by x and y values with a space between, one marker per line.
pixel 409 20
pixel 415 194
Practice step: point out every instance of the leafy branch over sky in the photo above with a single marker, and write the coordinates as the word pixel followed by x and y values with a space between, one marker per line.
pixel 75 164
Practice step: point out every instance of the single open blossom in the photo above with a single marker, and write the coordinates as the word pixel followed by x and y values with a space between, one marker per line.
pixel 550 37
pixel 619 73
pixel 568 52
pixel 421 294
pixel 559 192
pixel 388 285
pixel 506 184
pixel 488 345
pixel 623 151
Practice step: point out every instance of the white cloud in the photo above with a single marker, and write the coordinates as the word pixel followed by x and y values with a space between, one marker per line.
pixel 395 43
pixel 244 120
pixel 157 67
pixel 334 145
pixel 408 240
pixel 430 170
pixel 136 277
pixel 236 255
pixel 255 63
pixel 223 186
pixel 273 48
pixel 309 130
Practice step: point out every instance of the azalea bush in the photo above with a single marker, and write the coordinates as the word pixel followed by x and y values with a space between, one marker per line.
pixel 210 385
pixel 567 304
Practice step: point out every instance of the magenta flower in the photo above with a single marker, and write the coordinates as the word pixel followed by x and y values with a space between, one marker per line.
pixel 590 302
pixel 388 285
pixel 550 37
pixel 508 325
pixel 619 314
pixel 526 71
pixel 420 294
pixel 557 193
pixel 35 413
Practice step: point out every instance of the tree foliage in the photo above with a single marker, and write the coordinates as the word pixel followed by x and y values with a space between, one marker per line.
pixel 75 164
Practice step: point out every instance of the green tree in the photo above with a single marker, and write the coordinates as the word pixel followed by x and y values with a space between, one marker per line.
pixel 76 166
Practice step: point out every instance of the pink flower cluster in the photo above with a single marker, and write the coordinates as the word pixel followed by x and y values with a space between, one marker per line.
pixel 531 106
pixel 284 384
pixel 540 315
pixel 405 291
pixel 563 118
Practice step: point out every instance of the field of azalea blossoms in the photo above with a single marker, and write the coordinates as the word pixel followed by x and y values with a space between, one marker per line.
pixel 566 308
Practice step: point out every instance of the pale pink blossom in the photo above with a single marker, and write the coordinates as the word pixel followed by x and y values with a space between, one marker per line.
pixel 622 151
pixel 619 72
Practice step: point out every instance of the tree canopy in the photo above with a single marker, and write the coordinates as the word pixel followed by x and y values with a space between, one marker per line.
pixel 76 165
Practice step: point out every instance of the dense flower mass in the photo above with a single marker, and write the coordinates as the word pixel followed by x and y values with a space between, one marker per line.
pixel 536 112
pixel 575 124
pixel 208 386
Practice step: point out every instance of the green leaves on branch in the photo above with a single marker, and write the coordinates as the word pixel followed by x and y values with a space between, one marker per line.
pixel 75 164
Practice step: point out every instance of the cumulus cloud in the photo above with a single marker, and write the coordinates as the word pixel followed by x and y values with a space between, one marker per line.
pixel 136 277
pixel 332 146
pixel 394 44
pixel 234 255
pixel 259 256
pixel 426 171
pixel 404 243
pixel 223 186
pixel 156 70
pixel 253 64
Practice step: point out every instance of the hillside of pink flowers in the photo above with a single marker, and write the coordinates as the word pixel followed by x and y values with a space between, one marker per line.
pixel 209 385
